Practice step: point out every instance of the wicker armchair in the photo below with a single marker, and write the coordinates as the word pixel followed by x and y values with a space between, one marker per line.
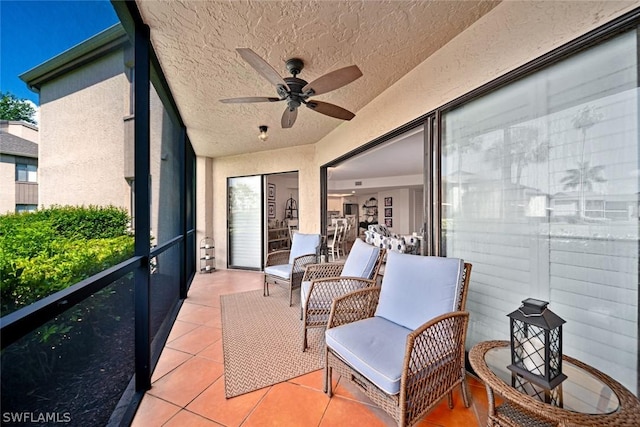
pixel 402 343
pixel 286 268
pixel 322 283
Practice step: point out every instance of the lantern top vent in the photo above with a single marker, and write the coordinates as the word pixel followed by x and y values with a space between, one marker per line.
pixel 535 312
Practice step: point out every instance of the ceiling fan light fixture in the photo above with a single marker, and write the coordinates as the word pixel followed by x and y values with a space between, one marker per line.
pixel 262 136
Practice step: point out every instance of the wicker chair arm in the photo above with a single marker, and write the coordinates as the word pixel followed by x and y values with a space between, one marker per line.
pixel 434 357
pixel 320 271
pixel 356 305
pixel 277 258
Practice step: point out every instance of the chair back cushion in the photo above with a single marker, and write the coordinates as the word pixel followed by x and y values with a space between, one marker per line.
pixel 415 289
pixel 304 244
pixel 361 260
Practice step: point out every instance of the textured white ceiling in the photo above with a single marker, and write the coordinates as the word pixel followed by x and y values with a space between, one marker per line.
pixel 196 40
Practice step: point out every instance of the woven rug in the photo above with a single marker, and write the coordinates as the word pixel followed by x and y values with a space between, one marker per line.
pixel 262 340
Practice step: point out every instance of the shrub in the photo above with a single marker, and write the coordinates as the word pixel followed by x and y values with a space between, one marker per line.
pixel 48 250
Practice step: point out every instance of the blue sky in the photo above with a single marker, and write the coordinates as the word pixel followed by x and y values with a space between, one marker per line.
pixel 32 32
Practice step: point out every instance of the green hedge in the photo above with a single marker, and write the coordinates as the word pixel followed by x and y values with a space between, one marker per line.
pixel 50 249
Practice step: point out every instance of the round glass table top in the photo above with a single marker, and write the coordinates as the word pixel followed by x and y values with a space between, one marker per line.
pixel 581 392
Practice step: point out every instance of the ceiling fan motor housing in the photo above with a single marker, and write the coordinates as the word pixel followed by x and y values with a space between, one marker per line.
pixel 294 65
pixel 295 85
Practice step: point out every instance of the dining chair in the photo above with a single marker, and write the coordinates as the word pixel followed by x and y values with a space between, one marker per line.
pixel 334 244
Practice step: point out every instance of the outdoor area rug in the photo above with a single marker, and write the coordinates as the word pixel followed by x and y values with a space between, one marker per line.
pixel 262 340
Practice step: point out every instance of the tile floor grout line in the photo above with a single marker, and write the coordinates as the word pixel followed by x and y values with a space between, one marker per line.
pixel 244 420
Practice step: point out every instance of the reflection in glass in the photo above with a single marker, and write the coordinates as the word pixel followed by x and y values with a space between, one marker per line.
pixel 540 193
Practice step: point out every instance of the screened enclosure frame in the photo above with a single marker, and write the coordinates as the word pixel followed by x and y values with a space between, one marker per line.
pixel 147 348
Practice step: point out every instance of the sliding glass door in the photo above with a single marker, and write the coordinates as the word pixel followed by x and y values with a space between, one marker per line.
pixel 245 222
pixel 540 192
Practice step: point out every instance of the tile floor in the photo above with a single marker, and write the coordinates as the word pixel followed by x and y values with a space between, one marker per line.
pixel 188 383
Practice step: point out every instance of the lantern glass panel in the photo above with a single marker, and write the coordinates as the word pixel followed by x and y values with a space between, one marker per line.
pixel 528 342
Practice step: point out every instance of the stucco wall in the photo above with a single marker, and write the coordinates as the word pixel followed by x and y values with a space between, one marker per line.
pixel 204 205
pixel 8 187
pixel 512 34
pixel 23 130
pixel 301 159
pixel 84 167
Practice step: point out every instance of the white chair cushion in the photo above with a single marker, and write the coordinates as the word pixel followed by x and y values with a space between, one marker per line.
pixel 374 347
pixel 305 287
pixel 282 270
pixel 318 303
pixel 361 260
pixel 415 289
pixel 304 244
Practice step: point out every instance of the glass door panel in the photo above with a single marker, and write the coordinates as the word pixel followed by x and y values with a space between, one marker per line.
pixel 540 192
pixel 245 218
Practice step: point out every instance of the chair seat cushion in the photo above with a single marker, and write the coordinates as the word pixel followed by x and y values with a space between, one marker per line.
pixel 282 271
pixel 361 260
pixel 375 347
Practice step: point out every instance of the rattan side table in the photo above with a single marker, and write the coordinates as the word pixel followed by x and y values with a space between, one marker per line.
pixel 587 397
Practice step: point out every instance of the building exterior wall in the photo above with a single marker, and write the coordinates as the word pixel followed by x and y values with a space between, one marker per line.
pixel 512 34
pixel 13 192
pixel 165 172
pixel 22 129
pixel 86 167
pixel 90 162
pixel 7 184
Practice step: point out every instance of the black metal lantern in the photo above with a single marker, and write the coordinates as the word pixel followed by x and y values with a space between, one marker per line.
pixel 536 344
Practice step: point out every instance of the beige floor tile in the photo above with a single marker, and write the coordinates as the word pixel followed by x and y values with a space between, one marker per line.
pixel 154 412
pixel 185 418
pixel 289 405
pixel 169 360
pixel 196 340
pixel 187 381
pixel 213 404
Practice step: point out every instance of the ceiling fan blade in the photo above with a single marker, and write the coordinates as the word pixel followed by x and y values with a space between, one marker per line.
pixel 333 80
pixel 261 66
pixel 330 110
pixel 249 99
pixel 289 117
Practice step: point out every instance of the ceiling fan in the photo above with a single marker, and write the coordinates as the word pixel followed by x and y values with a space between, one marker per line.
pixel 296 91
